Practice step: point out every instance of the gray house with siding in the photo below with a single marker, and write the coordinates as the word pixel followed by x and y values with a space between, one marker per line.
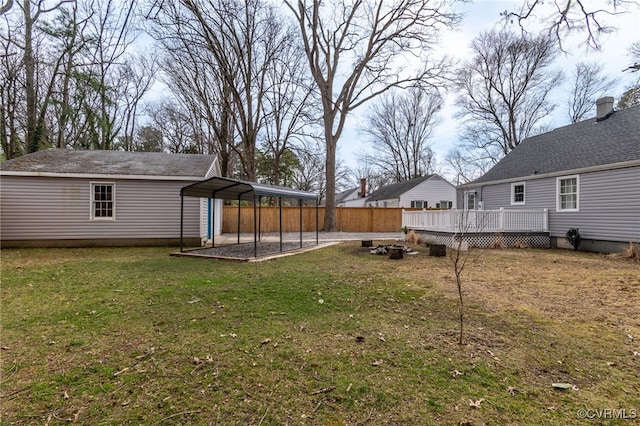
pixel 587 176
pixel 73 198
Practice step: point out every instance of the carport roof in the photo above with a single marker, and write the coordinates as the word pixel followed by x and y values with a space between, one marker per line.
pixel 232 189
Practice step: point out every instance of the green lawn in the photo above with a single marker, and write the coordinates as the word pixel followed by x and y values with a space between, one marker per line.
pixel 333 336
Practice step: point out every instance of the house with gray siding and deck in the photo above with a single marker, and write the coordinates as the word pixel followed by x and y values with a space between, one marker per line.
pixel 586 175
pixel 78 198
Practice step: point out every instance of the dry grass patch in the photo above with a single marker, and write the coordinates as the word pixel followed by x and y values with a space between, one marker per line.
pixel 334 336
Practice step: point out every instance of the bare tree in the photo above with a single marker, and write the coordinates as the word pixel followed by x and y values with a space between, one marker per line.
pixel 191 73
pixel 244 37
pixel 110 31
pixel 72 88
pixel 504 95
pixel 353 50
pixel 136 77
pixel 634 53
pixel 367 169
pixel 289 111
pixel 464 251
pixel 173 121
pixel 11 98
pixel 148 139
pixel 399 129
pixel 564 17
pixel 631 95
pixel 223 51
pixel 5 6
pixel 310 176
pixel 310 173
pixel 69 32
pixel 589 84
pixel 32 13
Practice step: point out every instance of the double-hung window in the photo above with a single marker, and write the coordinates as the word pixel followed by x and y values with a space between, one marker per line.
pixel 568 189
pixel 517 193
pixel 470 200
pixel 103 197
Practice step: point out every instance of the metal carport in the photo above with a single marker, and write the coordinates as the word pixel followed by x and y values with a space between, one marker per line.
pixel 238 190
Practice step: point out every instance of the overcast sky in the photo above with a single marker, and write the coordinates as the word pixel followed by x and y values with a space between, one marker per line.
pixel 485 14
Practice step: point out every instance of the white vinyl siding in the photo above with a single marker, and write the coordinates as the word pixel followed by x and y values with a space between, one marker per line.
pixel 567 193
pixel 430 192
pixel 43 208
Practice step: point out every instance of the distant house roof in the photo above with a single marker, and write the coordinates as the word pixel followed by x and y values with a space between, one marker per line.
pixel 95 162
pixel 346 195
pixel 395 190
pixel 589 143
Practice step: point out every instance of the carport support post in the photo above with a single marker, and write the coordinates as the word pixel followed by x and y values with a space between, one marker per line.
pixel 238 219
pixel 300 207
pixel 255 229
pixel 280 229
pixel 212 219
pixel 181 219
pixel 259 217
pixel 317 224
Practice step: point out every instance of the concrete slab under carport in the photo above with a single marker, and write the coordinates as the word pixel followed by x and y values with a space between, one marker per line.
pixel 325 239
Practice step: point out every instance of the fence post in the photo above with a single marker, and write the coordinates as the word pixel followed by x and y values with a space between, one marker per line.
pixel 371 220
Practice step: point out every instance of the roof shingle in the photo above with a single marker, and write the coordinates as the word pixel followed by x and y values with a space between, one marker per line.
pixel 395 190
pixel 585 144
pixel 111 163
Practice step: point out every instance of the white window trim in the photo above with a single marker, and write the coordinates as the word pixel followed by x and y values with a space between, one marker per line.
pixel 466 199
pixel 92 202
pixel 524 194
pixel 558 202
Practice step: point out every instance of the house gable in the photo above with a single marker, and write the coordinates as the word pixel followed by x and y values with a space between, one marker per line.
pixel 431 189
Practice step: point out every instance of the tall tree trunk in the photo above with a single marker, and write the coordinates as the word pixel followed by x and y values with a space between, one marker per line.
pixel 32 139
pixel 330 169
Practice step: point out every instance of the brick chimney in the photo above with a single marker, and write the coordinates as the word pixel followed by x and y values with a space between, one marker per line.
pixel 363 187
pixel 604 107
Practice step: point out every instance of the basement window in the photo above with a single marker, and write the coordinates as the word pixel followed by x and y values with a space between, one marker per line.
pixel 103 197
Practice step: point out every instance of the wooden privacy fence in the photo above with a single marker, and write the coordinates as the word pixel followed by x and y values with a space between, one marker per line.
pixel 348 219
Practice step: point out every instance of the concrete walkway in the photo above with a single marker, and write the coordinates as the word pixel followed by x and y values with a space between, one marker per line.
pixel 311 236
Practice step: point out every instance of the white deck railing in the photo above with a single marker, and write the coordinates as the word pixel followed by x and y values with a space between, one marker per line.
pixel 477 220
